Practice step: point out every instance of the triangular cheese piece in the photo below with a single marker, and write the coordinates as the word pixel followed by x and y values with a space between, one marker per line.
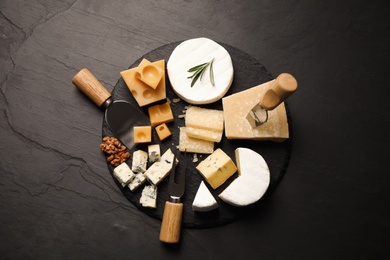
pixel 204 200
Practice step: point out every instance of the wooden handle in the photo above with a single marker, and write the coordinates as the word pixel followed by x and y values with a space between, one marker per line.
pixel 171 222
pixel 90 86
pixel 282 87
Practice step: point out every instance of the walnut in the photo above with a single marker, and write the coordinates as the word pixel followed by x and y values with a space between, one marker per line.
pixel 116 152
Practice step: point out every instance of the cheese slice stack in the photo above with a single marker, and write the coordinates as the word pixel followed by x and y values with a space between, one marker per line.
pixel 252 182
pixel 237 106
pixel 203 128
pixel 204 200
pixel 194 52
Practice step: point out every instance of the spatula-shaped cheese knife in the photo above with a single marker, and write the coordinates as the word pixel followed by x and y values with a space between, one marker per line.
pixel 120 115
pixel 173 209
pixel 281 88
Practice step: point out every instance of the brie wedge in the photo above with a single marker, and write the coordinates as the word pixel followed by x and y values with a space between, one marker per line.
pixel 252 182
pixel 204 200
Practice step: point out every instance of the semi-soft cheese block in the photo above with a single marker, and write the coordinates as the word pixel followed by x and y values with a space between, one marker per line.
pixel 237 106
pixel 142 134
pixel 204 118
pixel 163 131
pixel 140 160
pixel 193 145
pixel 217 168
pixel 159 114
pixel 143 93
pixel 194 52
pixel 149 196
pixel 252 182
pixel 204 200
pixel 161 168
pixel 123 174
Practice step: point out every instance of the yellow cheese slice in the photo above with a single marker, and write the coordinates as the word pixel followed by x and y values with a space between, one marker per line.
pixel 204 118
pixel 217 168
pixel 208 135
pixel 193 145
pixel 143 93
pixel 237 106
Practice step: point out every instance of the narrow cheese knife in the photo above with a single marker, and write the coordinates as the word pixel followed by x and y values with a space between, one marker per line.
pixel 173 209
pixel 281 88
pixel 121 116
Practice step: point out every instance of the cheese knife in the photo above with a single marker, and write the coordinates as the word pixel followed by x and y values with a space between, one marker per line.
pixel 173 209
pixel 281 88
pixel 120 115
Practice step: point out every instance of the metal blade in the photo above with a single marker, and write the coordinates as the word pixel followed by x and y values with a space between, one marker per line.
pixel 121 118
pixel 257 116
pixel 176 185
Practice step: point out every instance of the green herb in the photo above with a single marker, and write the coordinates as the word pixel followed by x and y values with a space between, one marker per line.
pixel 199 70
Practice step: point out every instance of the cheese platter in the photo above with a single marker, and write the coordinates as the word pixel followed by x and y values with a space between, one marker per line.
pixel 248 73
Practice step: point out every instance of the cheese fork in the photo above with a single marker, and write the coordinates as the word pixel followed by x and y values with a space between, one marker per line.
pixel 173 209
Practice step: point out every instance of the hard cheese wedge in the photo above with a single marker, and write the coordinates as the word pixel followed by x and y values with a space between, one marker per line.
pixel 204 200
pixel 143 93
pixel 237 106
pixel 252 182
pixel 217 168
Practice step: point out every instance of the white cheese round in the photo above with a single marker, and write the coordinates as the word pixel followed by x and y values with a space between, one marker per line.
pixel 252 182
pixel 194 52
pixel 204 200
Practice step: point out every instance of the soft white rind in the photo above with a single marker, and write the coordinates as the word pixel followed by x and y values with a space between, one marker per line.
pixel 194 52
pixel 253 180
pixel 204 200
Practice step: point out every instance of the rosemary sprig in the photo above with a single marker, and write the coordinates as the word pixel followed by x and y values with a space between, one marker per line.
pixel 199 70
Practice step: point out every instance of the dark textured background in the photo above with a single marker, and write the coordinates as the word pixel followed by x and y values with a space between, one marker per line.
pixel 57 198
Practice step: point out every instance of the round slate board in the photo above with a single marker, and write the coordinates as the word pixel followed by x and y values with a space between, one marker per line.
pixel 247 73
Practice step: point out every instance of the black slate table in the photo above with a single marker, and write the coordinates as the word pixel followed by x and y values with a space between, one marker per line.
pixel 57 197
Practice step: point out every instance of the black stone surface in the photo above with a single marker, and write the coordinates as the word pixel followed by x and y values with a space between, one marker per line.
pixel 247 73
pixel 58 200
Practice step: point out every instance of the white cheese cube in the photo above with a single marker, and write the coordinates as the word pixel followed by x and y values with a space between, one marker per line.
pixel 140 160
pixel 123 174
pixel 154 152
pixel 138 180
pixel 149 196
pixel 161 168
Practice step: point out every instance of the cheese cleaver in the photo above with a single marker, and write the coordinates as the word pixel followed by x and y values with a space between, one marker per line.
pixel 280 89
pixel 120 115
